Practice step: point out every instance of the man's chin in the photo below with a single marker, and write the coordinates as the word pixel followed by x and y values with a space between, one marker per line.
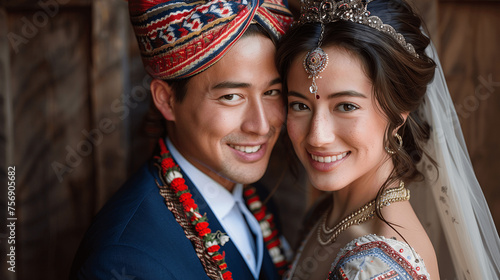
pixel 252 176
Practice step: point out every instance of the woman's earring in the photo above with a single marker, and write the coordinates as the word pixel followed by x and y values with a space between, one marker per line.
pixel 400 140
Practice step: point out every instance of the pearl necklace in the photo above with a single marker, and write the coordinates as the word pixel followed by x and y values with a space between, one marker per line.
pixel 363 214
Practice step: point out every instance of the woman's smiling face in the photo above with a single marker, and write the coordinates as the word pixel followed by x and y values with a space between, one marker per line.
pixel 339 138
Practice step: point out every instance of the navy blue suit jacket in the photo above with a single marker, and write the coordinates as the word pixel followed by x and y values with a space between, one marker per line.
pixel 135 236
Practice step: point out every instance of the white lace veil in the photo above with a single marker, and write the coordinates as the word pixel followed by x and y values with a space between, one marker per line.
pixel 463 227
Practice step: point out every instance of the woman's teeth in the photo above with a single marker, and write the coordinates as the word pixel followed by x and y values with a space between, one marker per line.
pixel 328 159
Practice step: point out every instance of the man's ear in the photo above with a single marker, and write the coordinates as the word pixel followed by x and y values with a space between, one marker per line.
pixel 164 98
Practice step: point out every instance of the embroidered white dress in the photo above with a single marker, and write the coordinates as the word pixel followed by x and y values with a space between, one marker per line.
pixel 372 257
pixel 377 257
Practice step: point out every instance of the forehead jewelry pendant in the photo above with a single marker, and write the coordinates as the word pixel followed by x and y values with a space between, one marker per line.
pixel 314 63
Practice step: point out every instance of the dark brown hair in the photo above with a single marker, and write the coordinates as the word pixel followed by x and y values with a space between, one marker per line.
pixel 399 79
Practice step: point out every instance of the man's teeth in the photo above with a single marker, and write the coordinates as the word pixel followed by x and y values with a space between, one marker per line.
pixel 246 149
pixel 329 158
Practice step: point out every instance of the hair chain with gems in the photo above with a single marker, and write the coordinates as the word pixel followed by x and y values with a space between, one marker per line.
pixel 315 62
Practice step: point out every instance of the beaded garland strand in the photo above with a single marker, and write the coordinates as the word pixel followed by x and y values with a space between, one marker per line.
pixel 267 225
pixel 172 176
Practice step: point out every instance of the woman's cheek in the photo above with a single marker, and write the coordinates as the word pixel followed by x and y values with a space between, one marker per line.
pixel 294 128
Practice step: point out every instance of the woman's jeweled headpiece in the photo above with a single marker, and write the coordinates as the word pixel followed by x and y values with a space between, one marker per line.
pixel 326 11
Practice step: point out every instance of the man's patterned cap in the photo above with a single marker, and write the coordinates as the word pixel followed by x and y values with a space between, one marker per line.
pixel 179 39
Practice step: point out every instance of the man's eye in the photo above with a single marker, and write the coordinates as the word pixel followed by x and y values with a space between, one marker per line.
pixel 230 97
pixel 297 106
pixel 272 92
pixel 347 107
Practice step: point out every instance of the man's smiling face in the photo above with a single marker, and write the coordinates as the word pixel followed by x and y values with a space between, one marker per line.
pixel 231 116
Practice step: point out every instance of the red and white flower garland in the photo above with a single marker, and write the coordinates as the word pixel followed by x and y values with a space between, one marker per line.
pixel 267 225
pixel 213 241
pixel 173 177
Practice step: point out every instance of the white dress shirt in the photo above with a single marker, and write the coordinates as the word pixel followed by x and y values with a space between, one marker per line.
pixel 230 210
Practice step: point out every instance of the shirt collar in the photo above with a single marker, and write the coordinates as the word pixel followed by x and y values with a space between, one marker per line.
pixel 220 200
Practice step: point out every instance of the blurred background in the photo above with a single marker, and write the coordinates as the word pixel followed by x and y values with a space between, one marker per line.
pixel 74 102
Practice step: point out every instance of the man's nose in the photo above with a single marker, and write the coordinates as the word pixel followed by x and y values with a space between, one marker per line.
pixel 256 120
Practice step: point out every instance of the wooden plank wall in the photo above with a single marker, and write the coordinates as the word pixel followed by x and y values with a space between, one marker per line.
pixel 50 108
pixel 68 107
pixel 469 33
pixel 6 139
pixel 466 35
pixel 73 95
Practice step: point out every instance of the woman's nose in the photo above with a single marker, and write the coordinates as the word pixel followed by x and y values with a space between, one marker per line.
pixel 321 131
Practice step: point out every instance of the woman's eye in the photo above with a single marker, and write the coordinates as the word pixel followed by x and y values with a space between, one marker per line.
pixel 230 97
pixel 272 92
pixel 297 106
pixel 347 107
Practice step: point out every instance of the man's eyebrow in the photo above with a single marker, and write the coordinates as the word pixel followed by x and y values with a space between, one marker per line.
pixel 275 81
pixel 231 85
pixel 228 84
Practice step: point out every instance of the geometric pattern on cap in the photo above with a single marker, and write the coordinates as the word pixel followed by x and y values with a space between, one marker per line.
pixel 179 39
